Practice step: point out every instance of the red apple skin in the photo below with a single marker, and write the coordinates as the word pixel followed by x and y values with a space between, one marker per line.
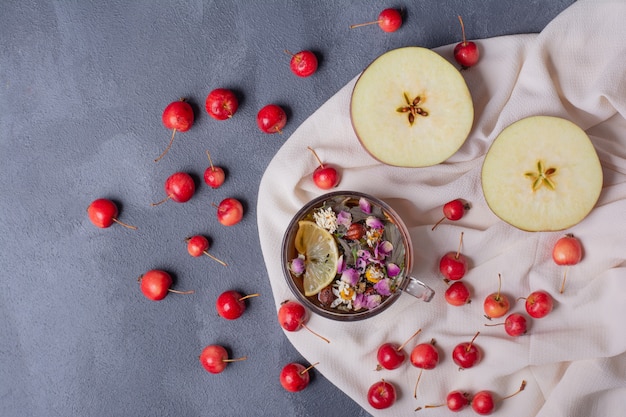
pixel 539 304
pixel 515 325
pixel 389 357
pixel 567 250
pixel 390 20
pixel 466 54
pixel 102 212
pixel 457 294
pixel 221 104
pixel 178 115
pixel 424 356
pixel 303 64
pixel 155 284
pixel 326 177
pixel 214 359
pixel 180 187
pixel 496 305
pixel 466 355
pixel 381 394
pixel 483 403
pixel 214 176
pixel 294 377
pixel 457 400
pixel 453 266
pixel 229 211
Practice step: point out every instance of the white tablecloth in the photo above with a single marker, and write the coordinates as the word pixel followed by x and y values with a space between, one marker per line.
pixel 574 360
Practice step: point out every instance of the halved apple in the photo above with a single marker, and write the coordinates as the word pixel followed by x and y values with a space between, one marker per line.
pixel 410 107
pixel 542 173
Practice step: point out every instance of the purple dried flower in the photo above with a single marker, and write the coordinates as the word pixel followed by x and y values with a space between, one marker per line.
pixel 344 218
pixel 365 206
pixel 350 276
pixel 392 270
pixel 297 265
pixel 374 222
pixel 383 287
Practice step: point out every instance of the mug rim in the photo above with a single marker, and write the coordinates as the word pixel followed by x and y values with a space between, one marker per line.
pixel 287 243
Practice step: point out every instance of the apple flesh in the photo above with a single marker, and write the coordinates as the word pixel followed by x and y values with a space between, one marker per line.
pixel 411 108
pixel 542 173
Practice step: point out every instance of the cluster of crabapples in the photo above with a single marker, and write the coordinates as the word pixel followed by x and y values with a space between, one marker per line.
pixel 453 266
pixel 292 317
pixel 425 356
pixel 222 104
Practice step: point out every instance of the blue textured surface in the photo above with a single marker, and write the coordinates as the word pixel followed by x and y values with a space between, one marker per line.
pixel 83 85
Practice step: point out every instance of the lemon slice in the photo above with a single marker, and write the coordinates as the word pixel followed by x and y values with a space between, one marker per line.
pixel 320 251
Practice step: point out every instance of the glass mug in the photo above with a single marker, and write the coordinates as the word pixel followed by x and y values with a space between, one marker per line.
pixel 344 299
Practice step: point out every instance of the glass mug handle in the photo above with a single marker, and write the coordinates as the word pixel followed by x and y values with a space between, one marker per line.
pixel 419 290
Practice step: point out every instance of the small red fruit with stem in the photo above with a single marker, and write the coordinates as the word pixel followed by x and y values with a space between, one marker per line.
pixel 324 176
pixel 455 401
pixel 294 377
pixel 539 304
pixel 303 63
pixel 567 251
pixel 466 52
pixel 467 354
pixel 496 304
pixel 457 294
pixel 453 210
pixel 424 356
pixel 381 394
pixel 484 404
pixel 391 356
pixel 229 211
pixel 103 213
pixel 214 358
pixel 453 265
pixel 389 20
pixel 155 285
pixel 231 304
pixel 214 176
pixel 271 119
pixel 514 325
pixel 179 187
pixel 179 117
pixel 198 245
pixel 291 317
pixel 221 103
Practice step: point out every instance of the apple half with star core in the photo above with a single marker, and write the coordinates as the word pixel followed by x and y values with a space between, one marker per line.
pixel 411 108
pixel 542 173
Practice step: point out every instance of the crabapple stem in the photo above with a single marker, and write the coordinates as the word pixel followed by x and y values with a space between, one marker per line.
pixel 169 145
pixel 180 292
pixel 499 285
pixel 437 224
pixel 210 161
pixel 520 389
pixel 214 258
pixel 462 29
pixel 469 346
pixel 316 334
pixel 243 358
pixel 304 371
pixel 316 157
pixel 245 297
pixel 458 252
pixel 408 340
pixel 358 25
pixel 160 202
pixel 417 383
pixel 125 225
pixel 564 278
